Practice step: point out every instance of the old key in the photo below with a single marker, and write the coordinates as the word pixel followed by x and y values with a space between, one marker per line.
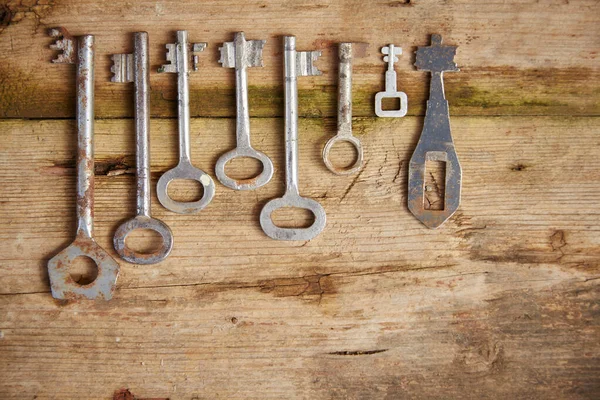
pixel 135 68
pixel 346 53
pixel 178 62
pixel 435 143
pixel 80 51
pixel 295 64
pixel 241 54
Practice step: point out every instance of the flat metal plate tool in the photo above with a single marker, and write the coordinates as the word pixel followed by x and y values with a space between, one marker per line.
pixel 435 143
pixel 135 67
pixel 295 64
pixel 80 51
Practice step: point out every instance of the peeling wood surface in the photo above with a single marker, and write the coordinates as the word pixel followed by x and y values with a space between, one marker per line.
pixel 502 301
pixel 517 57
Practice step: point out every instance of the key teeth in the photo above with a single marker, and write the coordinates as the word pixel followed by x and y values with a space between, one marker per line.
pixel 386 50
pixel 254 50
pixel 64 43
pixel 122 68
pixel 305 63
pixel 197 48
pixel 171 65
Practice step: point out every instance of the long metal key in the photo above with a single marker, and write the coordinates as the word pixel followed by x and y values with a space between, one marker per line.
pixel 391 88
pixel 241 54
pixel 295 64
pixel 136 68
pixel 436 142
pixel 344 124
pixel 80 51
pixel 178 61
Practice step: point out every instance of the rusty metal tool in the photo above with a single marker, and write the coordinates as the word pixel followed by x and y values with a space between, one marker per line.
pixel 80 51
pixel 295 64
pixel 391 88
pixel 135 67
pixel 241 54
pixel 435 143
pixel 178 62
pixel 344 124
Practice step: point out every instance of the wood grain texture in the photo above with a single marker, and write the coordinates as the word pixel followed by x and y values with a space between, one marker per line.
pixel 517 57
pixel 501 301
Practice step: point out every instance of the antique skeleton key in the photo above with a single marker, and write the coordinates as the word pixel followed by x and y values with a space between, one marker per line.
pixel 295 64
pixel 80 51
pixel 241 54
pixel 135 67
pixel 178 62
pixel 435 143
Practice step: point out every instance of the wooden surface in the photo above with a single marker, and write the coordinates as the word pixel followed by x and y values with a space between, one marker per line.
pixel 502 302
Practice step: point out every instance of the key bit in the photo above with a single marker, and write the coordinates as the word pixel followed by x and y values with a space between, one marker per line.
pixel 391 89
pixel 305 63
pixel 249 56
pixel 64 43
pixel 122 68
pixel 435 143
pixel 172 65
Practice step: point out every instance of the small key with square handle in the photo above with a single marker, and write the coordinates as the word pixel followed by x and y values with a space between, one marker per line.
pixel 80 51
pixel 295 64
pixel 135 67
pixel 435 143
pixel 178 62
pixel 241 54
pixel 391 88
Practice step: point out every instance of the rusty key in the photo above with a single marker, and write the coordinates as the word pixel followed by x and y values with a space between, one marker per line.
pixel 62 284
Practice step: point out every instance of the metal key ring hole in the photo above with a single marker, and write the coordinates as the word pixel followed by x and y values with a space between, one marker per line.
pixel 83 270
pixel 358 160
pixel 185 171
pixel 249 183
pixel 279 233
pixel 143 257
pixel 64 286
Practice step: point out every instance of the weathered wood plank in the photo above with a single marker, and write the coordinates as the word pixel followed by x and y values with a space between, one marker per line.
pixel 530 196
pixel 517 57
pixel 496 329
